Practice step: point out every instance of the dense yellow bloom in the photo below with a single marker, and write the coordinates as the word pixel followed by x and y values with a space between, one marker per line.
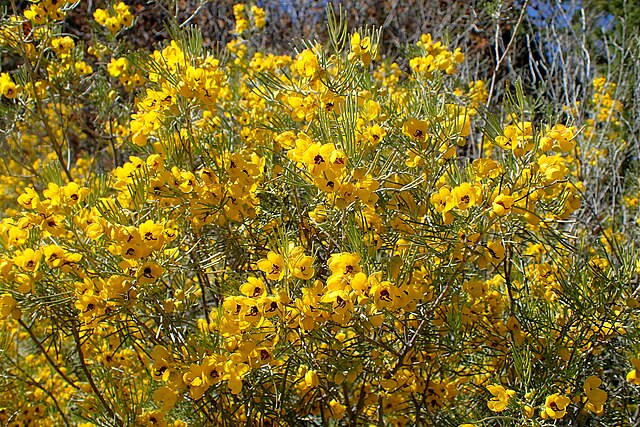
pixel 486 168
pixel 239 13
pixel 259 16
pixel 302 108
pixel 437 57
pixel 554 168
pixel 560 137
pixel 400 229
pixel 62 45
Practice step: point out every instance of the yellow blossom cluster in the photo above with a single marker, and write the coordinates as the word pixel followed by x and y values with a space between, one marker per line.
pixel 245 17
pixel 436 57
pixel 114 18
pixel 41 11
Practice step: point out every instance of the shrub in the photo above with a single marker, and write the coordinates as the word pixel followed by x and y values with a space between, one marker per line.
pixel 326 237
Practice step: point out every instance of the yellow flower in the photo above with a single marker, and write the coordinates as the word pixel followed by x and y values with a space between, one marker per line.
pixel 7 87
pixel 374 134
pixel 501 397
pixel 492 253
pixel 239 13
pixel 528 411
pixel 152 235
pixel 151 419
pixel 253 288
pixel 149 272
pixel 74 194
pixel 466 195
pixel 28 260
pixel 233 374
pixel 302 108
pixel 317 157
pixel 556 406
pixel 273 266
pixel 101 16
pixel 318 214
pixel 360 49
pixel 160 369
pixel 384 295
pixel 29 199
pixel 54 256
pixel 417 129
pixel 311 379
pixel 121 17
pixel 9 307
pixel 165 398
pixel 596 396
pixel 300 264
pixel 269 307
pixel 259 16
pixel 344 263
pixel 341 306
pixel 306 64
pixel 441 200
pixel 633 376
pixel 337 409
pixel 564 136
pixel 502 204
pixel 196 380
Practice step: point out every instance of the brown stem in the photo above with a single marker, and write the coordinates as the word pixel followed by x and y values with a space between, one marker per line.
pixel 46 355
pixel 92 384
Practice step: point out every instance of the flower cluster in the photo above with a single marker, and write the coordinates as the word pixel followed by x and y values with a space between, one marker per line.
pixel 116 17
pixel 246 17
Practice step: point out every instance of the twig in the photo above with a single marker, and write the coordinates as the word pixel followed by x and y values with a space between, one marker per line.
pixel 46 355
pixel 500 58
pixel 92 384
